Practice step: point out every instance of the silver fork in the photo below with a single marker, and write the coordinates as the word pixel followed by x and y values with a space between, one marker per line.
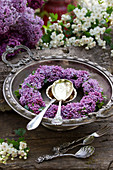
pixel 83 141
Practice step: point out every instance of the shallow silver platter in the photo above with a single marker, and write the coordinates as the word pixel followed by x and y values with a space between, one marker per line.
pixel 24 67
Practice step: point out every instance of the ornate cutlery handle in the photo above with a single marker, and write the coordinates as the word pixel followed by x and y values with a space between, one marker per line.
pixel 83 152
pixel 71 145
pixel 50 157
pixel 57 149
pixel 57 120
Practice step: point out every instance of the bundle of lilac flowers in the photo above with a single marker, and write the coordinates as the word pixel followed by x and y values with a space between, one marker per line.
pixel 30 96
pixel 9 151
pixel 18 25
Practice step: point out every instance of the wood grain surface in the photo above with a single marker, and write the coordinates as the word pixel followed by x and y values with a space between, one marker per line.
pixel 41 140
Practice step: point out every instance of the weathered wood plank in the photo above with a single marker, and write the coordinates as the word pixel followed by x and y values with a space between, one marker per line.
pixel 42 140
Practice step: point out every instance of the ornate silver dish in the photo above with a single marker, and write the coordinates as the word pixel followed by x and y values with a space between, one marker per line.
pixel 24 67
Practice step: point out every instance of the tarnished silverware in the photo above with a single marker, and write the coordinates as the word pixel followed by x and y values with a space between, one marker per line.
pixel 70 94
pixel 61 90
pixel 83 141
pixel 84 152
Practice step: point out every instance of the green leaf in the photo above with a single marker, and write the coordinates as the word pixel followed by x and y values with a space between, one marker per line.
pixel 45 81
pixel 17 93
pixel 100 1
pixel 75 77
pixel 87 34
pixel 79 7
pixel 46 27
pixel 41 108
pixel 107 20
pixel 97 22
pixel 99 105
pixel 20 139
pixel 15 143
pixel 104 97
pixel 42 14
pixel 26 107
pixel 33 72
pixel 68 33
pixel 111 46
pixel 70 7
pixel 1 140
pixel 107 39
pixel 88 14
pixel 105 25
pixel 53 16
pixel 46 38
pixel 109 10
pixel 20 132
pixel 48 24
pixel 108 30
pixel 61 23
pixel 29 85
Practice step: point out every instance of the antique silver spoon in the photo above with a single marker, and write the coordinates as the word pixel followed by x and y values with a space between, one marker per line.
pixel 34 123
pixel 69 99
pixel 84 152
pixel 61 90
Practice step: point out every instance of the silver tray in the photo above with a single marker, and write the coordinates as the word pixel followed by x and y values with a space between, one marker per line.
pixel 25 66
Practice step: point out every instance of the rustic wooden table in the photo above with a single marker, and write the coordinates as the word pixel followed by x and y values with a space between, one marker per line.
pixel 41 140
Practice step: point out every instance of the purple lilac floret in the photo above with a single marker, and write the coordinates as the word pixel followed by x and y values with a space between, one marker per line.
pixel 76 76
pixel 90 86
pixel 52 73
pixel 51 112
pixel 35 3
pixel 18 24
pixel 31 96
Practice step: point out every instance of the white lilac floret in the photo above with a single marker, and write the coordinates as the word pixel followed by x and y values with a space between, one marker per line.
pixel 8 150
pixel 31 98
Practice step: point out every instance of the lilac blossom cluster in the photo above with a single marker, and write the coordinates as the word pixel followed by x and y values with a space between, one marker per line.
pixel 35 3
pixel 91 85
pixel 31 97
pixel 18 25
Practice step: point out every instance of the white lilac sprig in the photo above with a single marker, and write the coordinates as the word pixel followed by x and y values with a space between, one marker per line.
pixel 81 26
pixel 11 149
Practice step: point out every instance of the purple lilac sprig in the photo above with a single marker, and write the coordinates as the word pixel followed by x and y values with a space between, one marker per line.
pixel 18 24
pixel 90 86
pixel 31 98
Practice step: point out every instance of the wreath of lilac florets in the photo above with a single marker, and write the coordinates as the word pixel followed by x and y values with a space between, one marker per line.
pixel 31 99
